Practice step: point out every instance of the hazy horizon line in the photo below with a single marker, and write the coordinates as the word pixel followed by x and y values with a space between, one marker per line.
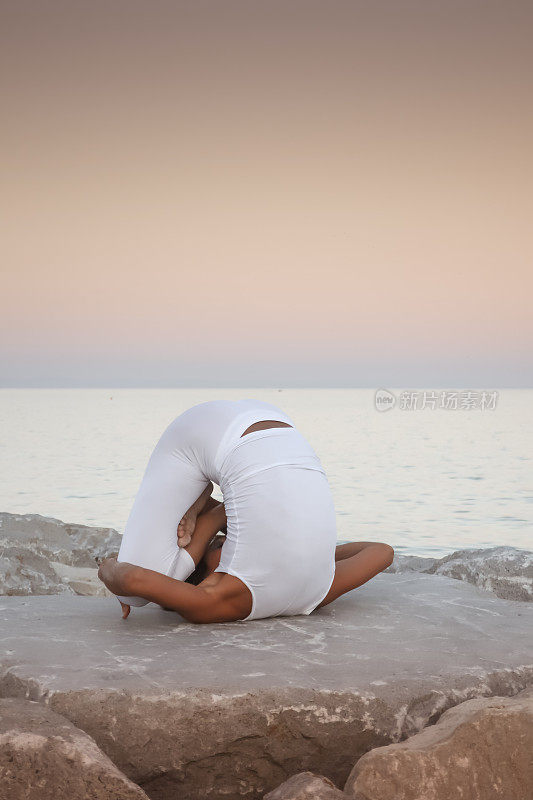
pixel 277 387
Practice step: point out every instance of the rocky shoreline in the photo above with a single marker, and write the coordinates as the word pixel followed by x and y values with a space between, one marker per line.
pixel 178 710
pixel 507 572
pixel 43 555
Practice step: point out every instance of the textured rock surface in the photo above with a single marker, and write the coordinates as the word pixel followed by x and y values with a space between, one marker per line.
pixel 306 786
pixel 42 755
pixel 411 563
pixel 41 555
pixel 505 571
pixel 236 709
pixel 480 750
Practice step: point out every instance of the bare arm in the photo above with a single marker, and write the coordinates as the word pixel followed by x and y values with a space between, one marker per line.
pixel 207 525
pixel 194 603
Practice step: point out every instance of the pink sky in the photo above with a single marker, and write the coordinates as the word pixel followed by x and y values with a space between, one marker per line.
pixel 280 193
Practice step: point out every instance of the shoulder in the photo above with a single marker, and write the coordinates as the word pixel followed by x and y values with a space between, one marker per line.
pixel 229 596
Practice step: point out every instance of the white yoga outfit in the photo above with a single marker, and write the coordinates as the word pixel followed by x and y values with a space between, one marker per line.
pixel 281 531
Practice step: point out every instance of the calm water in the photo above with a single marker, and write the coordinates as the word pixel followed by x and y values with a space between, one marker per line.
pixel 428 482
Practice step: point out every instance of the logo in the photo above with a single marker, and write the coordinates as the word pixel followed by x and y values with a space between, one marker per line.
pixel 384 400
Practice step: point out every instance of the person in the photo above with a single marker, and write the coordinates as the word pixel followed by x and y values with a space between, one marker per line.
pixel 279 555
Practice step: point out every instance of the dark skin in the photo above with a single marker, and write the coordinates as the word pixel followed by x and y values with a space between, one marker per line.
pixel 221 597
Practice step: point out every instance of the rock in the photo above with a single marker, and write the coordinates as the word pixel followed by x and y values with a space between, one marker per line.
pixel 81 580
pixel 306 786
pixel 411 564
pixel 507 572
pixel 42 755
pixel 222 711
pixel 480 750
pixel 67 543
pixel 41 555
pixel 24 572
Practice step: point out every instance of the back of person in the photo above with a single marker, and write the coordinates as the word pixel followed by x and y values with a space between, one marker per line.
pixel 281 532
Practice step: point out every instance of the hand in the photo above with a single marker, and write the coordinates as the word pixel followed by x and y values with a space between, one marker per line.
pixel 187 523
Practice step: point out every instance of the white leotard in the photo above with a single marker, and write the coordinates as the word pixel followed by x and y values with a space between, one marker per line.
pixel 281 532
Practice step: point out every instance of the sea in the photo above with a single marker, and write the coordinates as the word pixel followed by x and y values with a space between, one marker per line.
pixel 428 471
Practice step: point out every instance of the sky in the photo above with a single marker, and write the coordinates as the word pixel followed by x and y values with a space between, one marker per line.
pixel 295 193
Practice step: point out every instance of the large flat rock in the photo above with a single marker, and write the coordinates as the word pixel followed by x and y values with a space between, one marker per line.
pixel 235 709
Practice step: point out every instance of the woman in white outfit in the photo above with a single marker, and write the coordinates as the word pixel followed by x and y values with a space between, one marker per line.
pixel 279 555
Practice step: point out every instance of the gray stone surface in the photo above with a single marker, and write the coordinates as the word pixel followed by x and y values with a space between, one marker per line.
pixel 44 757
pixel 41 555
pixel 481 750
pixel 225 710
pixel 505 571
pixel 411 563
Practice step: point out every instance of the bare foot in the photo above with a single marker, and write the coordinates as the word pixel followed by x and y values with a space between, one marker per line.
pixel 125 610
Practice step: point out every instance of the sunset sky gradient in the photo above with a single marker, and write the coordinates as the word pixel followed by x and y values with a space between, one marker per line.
pixel 266 193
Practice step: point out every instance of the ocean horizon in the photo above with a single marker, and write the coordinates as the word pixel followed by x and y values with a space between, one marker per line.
pixel 426 479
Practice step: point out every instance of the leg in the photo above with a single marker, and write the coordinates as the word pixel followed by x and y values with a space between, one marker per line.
pixel 170 486
pixel 343 551
pixel 355 564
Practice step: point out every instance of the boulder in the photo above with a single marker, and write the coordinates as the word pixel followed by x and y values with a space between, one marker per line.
pixel 481 750
pixel 504 571
pixel 507 572
pixel 306 786
pixel 222 711
pixel 44 756
pixel 41 555
pixel 23 572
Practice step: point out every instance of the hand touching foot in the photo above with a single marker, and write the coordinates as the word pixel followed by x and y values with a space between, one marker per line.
pixel 188 521
pixel 186 528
